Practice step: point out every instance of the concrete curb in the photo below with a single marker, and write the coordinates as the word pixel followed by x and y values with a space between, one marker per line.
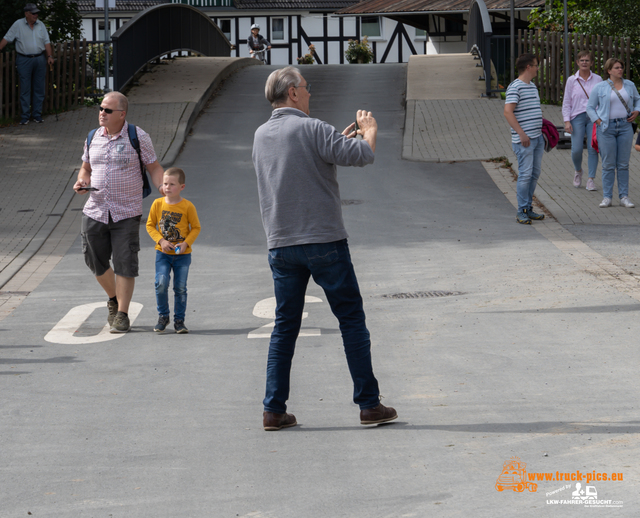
pixel 192 110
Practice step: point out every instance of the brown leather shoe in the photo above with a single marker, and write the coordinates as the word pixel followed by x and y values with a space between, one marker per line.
pixel 272 421
pixel 379 414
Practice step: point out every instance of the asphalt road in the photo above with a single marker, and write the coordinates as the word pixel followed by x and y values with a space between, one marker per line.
pixel 522 354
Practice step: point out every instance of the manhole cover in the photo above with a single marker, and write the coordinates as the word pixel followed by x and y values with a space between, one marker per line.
pixel 351 202
pixel 422 294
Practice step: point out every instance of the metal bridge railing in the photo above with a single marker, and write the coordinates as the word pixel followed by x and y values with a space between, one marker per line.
pixel 160 30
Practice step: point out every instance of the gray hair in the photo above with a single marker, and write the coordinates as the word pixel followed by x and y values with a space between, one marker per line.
pixel 278 83
pixel 123 102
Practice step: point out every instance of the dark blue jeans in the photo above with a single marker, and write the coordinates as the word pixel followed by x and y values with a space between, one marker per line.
pixel 32 73
pixel 330 266
pixel 180 266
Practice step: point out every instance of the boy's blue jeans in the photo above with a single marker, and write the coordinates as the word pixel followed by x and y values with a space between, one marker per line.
pixel 529 168
pixel 330 266
pixel 180 266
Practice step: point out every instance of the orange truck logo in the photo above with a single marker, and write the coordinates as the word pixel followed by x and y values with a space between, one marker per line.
pixel 514 477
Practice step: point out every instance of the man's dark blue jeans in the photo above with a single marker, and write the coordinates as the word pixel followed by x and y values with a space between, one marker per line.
pixel 330 266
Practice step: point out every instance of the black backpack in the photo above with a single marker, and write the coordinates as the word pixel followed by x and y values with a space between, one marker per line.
pixel 133 138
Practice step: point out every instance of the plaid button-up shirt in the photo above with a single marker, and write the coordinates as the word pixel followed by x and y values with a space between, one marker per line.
pixel 115 172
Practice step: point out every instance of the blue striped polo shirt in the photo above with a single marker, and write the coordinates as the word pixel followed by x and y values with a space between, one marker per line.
pixel 528 111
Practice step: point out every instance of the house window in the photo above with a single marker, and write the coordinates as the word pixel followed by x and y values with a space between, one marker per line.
pixel 225 27
pixel 370 26
pixel 277 29
pixel 453 24
pixel 421 33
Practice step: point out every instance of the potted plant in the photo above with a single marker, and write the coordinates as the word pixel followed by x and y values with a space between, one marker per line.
pixel 359 51
pixel 307 59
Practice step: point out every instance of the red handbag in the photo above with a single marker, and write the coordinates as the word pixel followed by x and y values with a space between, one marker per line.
pixel 594 138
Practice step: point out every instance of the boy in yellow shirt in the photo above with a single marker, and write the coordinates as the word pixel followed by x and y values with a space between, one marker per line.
pixel 174 225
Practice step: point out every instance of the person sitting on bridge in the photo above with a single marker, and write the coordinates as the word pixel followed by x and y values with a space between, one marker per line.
pixel 295 158
pixel 256 41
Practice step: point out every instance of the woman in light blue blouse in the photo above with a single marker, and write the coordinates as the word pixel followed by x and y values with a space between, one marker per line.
pixel 613 105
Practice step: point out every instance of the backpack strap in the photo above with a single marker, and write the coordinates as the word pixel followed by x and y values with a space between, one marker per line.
pixel 133 138
pixel 90 138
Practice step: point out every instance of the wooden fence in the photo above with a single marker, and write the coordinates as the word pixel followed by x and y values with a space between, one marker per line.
pixel 67 83
pixel 549 47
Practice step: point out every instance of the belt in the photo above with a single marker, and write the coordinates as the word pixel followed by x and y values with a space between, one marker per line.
pixel 30 55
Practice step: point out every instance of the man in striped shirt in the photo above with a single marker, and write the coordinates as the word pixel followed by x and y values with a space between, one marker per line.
pixel 111 216
pixel 524 114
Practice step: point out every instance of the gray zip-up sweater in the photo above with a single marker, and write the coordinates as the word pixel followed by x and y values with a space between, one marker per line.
pixel 295 158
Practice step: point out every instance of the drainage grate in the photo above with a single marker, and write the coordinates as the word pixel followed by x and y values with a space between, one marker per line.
pixel 26 210
pixel 351 202
pixel 422 294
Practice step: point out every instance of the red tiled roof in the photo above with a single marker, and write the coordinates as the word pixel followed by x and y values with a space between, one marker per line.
pixel 425 6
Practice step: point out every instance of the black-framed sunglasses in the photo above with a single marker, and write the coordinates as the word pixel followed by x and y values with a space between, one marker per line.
pixel 108 110
pixel 307 86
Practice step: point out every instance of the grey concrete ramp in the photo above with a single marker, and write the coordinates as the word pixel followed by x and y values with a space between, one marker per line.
pixel 488 337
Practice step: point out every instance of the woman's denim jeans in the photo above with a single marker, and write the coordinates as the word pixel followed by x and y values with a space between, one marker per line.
pixel 180 266
pixel 330 266
pixel 582 126
pixel 529 167
pixel 615 148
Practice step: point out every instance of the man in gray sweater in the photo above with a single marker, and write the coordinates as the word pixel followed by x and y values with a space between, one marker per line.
pixel 295 158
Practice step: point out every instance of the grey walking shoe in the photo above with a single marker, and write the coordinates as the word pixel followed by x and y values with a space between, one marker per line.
pixel 121 323
pixel 626 202
pixel 521 217
pixel 113 311
pixel 534 215
pixel 606 202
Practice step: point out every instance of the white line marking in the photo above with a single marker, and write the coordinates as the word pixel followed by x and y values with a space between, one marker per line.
pixel 63 331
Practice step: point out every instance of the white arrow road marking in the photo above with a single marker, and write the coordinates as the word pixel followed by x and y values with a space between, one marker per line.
pixel 63 331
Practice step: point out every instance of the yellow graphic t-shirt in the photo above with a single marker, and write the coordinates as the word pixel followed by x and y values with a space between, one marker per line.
pixel 176 223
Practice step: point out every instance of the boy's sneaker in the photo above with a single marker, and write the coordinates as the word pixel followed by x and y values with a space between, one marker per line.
pixel 121 323
pixel 113 311
pixel 180 328
pixel 521 217
pixel 162 324
pixel 534 215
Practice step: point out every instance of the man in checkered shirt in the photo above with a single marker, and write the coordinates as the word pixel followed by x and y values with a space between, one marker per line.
pixel 111 216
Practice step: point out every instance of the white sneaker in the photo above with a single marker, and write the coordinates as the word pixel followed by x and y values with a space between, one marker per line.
pixel 591 186
pixel 577 179
pixel 605 203
pixel 626 202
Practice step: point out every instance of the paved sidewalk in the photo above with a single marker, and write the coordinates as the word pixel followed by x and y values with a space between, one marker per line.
pixel 443 128
pixel 40 163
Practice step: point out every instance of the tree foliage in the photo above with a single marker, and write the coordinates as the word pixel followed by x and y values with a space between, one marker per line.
pixel 61 17
pixel 607 18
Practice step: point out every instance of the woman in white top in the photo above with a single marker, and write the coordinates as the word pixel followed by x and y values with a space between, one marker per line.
pixel 613 105
pixel 576 122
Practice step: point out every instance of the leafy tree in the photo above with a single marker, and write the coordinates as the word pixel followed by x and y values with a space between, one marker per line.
pixel 10 11
pixel 606 18
pixel 62 18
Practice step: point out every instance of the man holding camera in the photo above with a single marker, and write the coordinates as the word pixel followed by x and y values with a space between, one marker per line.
pixel 295 158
